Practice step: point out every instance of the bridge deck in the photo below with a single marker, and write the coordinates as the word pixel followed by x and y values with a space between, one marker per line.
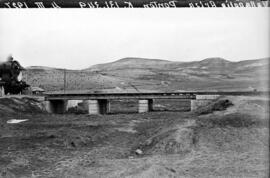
pixel 146 95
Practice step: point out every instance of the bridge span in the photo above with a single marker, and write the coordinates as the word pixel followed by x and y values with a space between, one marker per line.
pixel 99 102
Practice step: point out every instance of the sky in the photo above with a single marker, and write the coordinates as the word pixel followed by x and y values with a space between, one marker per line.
pixel 79 38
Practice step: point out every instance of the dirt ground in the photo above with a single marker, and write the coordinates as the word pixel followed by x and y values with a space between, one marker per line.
pixel 229 142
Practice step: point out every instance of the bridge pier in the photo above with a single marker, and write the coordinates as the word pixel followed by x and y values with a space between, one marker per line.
pixel 56 106
pixel 201 101
pixel 2 91
pixel 145 105
pixel 101 106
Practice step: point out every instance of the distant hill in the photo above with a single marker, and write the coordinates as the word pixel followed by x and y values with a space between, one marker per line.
pixel 129 63
pixel 40 68
pixel 155 74
pixel 142 63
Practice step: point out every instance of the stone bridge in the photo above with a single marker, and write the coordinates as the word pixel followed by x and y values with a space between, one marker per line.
pixel 99 103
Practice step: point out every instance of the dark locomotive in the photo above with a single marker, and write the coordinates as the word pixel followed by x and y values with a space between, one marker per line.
pixel 11 76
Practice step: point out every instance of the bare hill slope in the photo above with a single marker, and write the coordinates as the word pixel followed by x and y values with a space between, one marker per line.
pixel 129 63
pixel 154 74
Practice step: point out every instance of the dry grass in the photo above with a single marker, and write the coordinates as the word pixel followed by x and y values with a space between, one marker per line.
pixel 224 143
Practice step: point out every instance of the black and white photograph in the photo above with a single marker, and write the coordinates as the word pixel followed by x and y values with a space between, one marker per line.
pixel 134 93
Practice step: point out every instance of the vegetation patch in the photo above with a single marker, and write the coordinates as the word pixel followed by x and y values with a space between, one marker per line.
pixel 18 105
pixel 218 105
pixel 232 120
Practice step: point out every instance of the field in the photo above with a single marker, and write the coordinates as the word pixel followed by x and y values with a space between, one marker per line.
pixel 231 141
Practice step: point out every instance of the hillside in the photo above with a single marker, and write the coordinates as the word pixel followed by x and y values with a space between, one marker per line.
pixel 129 63
pixel 154 74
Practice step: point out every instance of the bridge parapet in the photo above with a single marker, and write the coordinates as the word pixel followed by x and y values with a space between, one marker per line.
pixel 207 97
